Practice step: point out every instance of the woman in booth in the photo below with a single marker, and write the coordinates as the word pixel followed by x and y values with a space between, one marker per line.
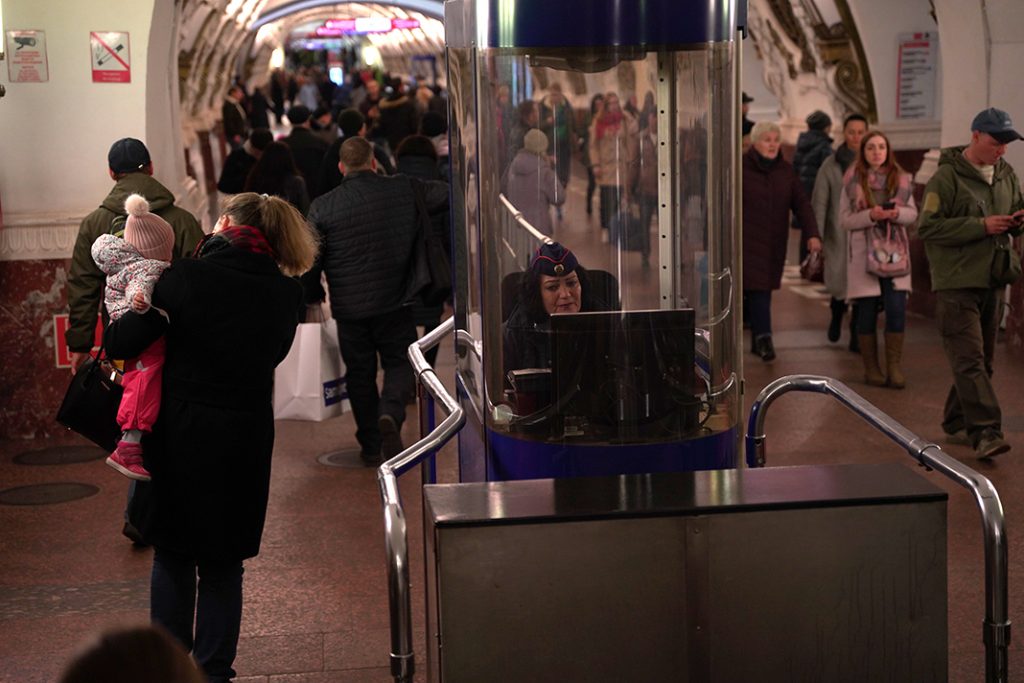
pixel 554 283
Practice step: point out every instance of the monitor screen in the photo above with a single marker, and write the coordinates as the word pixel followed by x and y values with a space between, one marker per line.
pixel 624 376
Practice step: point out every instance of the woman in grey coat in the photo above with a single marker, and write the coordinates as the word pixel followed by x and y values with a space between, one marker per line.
pixel 828 186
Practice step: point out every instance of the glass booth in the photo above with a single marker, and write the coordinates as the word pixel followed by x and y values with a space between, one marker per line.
pixel 611 130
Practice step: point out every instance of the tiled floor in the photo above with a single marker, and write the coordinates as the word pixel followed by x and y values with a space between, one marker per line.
pixel 316 598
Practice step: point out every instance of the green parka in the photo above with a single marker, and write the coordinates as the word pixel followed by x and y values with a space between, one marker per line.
pixel 951 225
pixel 86 280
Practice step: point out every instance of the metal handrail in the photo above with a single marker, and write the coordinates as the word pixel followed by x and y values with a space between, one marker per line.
pixel 996 627
pixel 517 216
pixel 396 535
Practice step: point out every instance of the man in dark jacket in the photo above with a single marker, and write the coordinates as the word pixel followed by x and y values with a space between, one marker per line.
pixel 233 117
pixel 307 147
pixel 368 227
pixel 813 146
pixel 971 208
pixel 238 164
pixel 132 171
pixel 350 124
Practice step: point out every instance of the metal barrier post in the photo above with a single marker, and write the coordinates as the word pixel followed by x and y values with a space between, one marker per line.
pixel 996 627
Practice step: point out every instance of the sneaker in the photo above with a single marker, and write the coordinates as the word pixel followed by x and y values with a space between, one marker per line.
pixel 958 438
pixel 990 445
pixel 390 436
pixel 127 459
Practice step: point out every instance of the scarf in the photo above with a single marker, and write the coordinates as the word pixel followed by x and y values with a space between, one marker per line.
pixel 239 236
pixel 608 122
pixel 876 183
pixel 763 162
pixel 845 157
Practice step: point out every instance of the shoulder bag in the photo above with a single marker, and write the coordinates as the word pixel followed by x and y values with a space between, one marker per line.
pixel 91 402
pixel 1006 268
pixel 888 250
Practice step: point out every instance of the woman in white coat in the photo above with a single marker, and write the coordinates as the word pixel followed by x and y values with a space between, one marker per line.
pixel 876 189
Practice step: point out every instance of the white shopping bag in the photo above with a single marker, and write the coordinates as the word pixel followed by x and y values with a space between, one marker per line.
pixel 309 384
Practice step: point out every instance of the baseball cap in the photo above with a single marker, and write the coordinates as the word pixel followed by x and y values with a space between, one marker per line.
pixel 996 123
pixel 127 155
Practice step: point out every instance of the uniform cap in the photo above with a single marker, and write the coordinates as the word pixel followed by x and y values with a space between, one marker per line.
pixel 554 260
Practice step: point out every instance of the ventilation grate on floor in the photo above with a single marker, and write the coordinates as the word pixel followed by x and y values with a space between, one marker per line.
pixel 349 458
pixel 46 494
pixel 60 455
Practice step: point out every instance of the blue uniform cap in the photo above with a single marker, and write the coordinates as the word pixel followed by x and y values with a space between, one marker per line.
pixel 554 260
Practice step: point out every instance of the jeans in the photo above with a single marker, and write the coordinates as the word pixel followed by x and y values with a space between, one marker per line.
pixel 759 303
pixel 217 613
pixel 894 302
pixel 388 335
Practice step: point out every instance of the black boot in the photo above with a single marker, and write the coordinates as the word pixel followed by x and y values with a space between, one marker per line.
pixel 835 326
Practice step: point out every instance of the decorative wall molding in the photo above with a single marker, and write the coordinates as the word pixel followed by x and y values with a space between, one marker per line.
pixel 38 236
pixel 912 134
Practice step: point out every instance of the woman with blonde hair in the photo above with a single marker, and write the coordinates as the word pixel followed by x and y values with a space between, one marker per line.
pixel 228 317
pixel 876 191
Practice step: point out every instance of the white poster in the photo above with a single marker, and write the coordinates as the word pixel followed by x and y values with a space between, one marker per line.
pixel 26 57
pixel 111 57
pixel 915 76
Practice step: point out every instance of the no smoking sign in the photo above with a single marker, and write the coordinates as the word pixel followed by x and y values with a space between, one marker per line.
pixel 111 58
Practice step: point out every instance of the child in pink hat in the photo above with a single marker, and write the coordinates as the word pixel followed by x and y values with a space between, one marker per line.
pixel 133 265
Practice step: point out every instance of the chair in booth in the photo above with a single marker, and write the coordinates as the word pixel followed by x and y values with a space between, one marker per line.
pixel 600 284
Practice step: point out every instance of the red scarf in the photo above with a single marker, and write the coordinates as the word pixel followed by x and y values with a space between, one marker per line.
pixel 608 122
pixel 247 238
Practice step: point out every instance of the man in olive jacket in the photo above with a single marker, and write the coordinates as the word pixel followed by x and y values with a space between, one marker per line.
pixel 132 171
pixel 972 206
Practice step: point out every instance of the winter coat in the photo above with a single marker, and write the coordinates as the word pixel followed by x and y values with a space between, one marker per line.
pixel 648 165
pixel 232 319
pixel 128 273
pixel 236 169
pixel 859 282
pixel 398 119
pixel 308 148
pixel 532 186
pixel 233 120
pixel 329 176
pixel 828 187
pixel 956 201
pixel 813 147
pixel 425 168
pixel 770 192
pixel 368 229
pixel 558 123
pixel 86 280
pixel 615 154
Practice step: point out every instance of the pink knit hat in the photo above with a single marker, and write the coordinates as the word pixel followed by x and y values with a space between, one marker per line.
pixel 147 232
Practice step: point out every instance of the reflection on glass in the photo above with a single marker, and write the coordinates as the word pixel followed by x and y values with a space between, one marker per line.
pixel 608 158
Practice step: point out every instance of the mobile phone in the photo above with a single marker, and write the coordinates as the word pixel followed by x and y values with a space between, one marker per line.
pixel 888 205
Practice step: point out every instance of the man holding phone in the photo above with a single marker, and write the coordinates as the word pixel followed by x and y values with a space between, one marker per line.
pixel 972 208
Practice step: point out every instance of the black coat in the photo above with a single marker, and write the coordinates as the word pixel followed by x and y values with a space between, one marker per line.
pixel 233 316
pixel 368 228
pixel 812 148
pixel 329 176
pixel 308 148
pixel 236 169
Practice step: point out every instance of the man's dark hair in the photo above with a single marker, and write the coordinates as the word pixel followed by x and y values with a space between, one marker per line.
pixel 350 122
pixel 298 114
pixel 854 117
pixel 432 124
pixel 259 138
pixel 268 175
pixel 416 146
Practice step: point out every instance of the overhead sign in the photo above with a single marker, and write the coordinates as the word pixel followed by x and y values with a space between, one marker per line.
pixel 340 27
pixel 26 57
pixel 915 75
pixel 111 57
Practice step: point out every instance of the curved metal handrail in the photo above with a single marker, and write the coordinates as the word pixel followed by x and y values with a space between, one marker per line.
pixel 996 627
pixel 517 216
pixel 396 535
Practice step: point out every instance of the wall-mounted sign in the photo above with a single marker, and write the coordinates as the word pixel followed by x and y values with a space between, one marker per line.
pixel 915 75
pixel 60 339
pixel 26 57
pixel 111 58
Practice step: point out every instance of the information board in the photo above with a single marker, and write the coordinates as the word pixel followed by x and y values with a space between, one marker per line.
pixel 915 75
pixel 26 57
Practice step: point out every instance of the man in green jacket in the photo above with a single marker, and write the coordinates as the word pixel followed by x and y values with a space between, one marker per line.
pixel 972 206
pixel 132 171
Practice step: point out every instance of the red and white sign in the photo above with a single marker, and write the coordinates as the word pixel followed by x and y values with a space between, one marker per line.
pixel 915 75
pixel 111 58
pixel 26 57
pixel 60 340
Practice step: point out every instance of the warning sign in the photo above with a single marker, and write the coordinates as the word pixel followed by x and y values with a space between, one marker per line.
pixel 26 54
pixel 111 58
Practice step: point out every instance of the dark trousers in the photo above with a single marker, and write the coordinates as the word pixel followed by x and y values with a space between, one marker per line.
pixel 217 613
pixel 591 187
pixel 968 321
pixel 894 302
pixel 759 303
pixel 389 336
pixel 609 204
pixel 648 207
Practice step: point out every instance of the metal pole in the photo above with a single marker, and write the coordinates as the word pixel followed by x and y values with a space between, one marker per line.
pixel 996 627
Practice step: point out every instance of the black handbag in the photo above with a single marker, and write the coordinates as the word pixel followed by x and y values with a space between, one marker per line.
pixel 91 402
pixel 813 266
pixel 431 274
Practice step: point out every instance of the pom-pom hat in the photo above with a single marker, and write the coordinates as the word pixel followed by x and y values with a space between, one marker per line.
pixel 535 142
pixel 147 232
pixel 554 260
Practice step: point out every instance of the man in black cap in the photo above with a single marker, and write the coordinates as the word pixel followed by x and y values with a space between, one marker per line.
pixel 238 164
pixel 368 227
pixel 131 169
pixel 748 125
pixel 307 147
pixel 972 208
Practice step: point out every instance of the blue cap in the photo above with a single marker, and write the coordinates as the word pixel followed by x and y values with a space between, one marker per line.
pixel 554 260
pixel 996 123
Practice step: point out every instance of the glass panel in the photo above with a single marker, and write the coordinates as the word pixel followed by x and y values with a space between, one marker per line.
pixel 614 158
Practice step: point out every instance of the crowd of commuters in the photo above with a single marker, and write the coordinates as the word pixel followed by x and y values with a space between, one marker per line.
pixel 339 201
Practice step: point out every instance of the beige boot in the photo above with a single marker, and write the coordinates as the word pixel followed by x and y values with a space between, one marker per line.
pixel 869 352
pixel 893 356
